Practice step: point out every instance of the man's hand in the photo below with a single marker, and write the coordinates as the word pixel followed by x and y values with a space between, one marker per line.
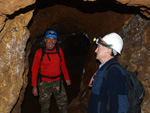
pixel 68 82
pixel 35 91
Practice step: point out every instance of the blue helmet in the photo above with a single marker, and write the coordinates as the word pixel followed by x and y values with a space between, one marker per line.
pixel 51 33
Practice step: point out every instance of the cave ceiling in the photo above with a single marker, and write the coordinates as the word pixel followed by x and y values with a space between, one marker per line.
pixel 143 5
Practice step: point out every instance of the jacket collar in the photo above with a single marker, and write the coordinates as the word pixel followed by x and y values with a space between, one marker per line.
pixel 107 63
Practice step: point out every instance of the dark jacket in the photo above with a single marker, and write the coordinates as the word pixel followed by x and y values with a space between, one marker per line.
pixel 109 95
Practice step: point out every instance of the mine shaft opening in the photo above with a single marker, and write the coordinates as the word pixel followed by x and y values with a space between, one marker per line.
pixel 75 45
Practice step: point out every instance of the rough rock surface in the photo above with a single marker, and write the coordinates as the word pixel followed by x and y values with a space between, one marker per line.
pixel 14 35
pixel 135 54
pixel 94 24
pixel 8 7
pixel 12 57
pixel 143 5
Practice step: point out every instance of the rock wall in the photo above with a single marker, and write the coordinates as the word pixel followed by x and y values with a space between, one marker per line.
pixel 143 5
pixel 135 54
pixel 13 37
pixel 14 18
pixel 70 20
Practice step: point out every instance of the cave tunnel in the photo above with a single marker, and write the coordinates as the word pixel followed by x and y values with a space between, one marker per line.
pixel 75 45
pixel 77 22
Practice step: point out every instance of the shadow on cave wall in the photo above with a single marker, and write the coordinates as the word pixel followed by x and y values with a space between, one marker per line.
pixel 75 45
pixel 90 7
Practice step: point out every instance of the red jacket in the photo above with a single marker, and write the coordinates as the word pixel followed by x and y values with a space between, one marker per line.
pixel 49 68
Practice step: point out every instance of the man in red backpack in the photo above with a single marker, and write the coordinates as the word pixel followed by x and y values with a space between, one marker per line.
pixel 47 66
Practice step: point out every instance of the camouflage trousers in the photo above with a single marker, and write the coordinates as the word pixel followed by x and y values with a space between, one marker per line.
pixel 46 89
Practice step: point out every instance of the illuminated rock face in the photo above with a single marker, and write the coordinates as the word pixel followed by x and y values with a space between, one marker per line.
pixel 136 52
pixel 13 37
pixel 15 16
pixel 144 5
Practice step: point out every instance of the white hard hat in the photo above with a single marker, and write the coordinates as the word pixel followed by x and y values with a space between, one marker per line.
pixel 114 40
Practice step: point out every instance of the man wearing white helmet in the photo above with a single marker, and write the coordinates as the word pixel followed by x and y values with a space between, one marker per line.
pixel 108 93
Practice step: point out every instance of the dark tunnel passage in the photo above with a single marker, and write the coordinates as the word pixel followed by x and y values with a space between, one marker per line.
pixel 75 47
pixel 75 44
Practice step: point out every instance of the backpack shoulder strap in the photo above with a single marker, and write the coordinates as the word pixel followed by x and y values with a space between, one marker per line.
pixel 39 70
pixel 107 69
pixel 123 71
pixel 43 52
pixel 57 49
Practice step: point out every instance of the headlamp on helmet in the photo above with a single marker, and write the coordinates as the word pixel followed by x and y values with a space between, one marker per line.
pixel 100 41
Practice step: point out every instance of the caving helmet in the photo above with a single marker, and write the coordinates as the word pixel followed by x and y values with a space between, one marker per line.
pixel 112 41
pixel 51 33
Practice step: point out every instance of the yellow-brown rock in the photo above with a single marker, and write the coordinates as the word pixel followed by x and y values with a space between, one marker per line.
pixel 8 7
pixel 12 57
pixel 135 2
pixel 144 5
pixel 14 35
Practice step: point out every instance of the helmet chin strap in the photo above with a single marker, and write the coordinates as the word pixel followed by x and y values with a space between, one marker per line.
pixel 114 52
